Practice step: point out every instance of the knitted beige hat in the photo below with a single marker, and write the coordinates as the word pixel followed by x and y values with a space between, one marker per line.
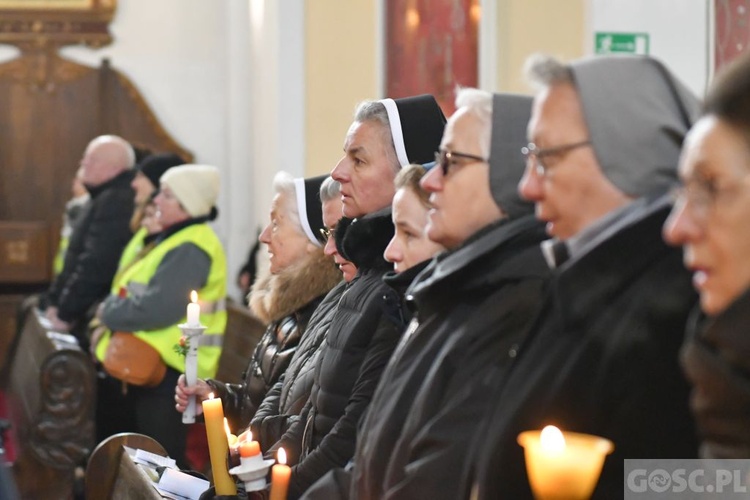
pixel 195 186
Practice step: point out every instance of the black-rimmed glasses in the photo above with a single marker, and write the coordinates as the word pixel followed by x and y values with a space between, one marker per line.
pixel 538 155
pixel 446 159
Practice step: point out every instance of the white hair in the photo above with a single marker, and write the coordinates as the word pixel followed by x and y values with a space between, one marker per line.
pixel 479 104
pixel 283 184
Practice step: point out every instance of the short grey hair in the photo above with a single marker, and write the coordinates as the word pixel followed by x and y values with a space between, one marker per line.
pixel 283 183
pixel 543 71
pixel 478 103
pixel 374 111
pixel 330 189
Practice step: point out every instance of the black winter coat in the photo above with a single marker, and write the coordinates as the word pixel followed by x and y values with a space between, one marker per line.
pixel 601 359
pixel 284 402
pixel 286 301
pixel 270 359
pixel 716 360
pixel 474 305
pixel 102 231
pixel 363 333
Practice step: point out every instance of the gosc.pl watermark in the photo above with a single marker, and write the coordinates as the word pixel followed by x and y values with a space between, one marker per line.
pixel 687 479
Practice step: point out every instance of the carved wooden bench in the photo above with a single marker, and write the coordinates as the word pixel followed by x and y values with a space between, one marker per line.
pixel 111 474
pixel 50 393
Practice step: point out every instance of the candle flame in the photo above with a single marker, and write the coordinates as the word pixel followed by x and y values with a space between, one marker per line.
pixel 281 456
pixel 194 297
pixel 249 436
pixel 210 395
pixel 226 426
pixel 552 439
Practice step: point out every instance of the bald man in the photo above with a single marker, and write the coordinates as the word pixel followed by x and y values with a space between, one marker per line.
pixel 98 238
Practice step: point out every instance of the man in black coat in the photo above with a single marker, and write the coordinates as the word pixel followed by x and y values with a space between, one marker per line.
pixel 602 358
pixel 98 238
pixel 473 306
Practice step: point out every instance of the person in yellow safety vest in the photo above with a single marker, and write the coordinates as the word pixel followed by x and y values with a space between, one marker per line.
pixel 145 184
pixel 151 301
pixel 73 209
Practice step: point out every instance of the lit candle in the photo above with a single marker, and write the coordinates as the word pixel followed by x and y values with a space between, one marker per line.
pixel 246 443
pixel 218 446
pixel 249 449
pixel 193 310
pixel 563 465
pixel 231 438
pixel 280 474
pixel 245 436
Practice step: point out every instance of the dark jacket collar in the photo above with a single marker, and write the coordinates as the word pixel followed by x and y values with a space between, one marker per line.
pixel 363 240
pixel 629 251
pixel 486 258
pixel 727 331
pixel 179 226
pixel 401 281
pixel 121 179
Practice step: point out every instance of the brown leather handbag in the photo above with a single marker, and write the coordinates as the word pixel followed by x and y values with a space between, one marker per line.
pixel 133 361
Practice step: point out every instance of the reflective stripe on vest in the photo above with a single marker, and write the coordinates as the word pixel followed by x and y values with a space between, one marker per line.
pixel 129 253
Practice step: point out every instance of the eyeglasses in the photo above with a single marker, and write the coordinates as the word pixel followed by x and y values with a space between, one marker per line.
pixel 540 155
pixel 446 159
pixel 327 233
pixel 702 195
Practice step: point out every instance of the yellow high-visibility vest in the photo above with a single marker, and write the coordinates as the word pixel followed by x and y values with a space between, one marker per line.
pixel 212 298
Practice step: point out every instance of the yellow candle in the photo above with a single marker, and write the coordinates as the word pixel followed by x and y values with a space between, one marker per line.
pixel 218 446
pixel 280 474
pixel 563 465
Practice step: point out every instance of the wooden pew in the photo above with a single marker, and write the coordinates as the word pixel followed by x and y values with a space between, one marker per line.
pixel 240 337
pixel 111 474
pixel 50 394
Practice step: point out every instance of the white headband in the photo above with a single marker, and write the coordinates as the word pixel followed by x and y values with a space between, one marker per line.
pixel 398 137
pixel 299 189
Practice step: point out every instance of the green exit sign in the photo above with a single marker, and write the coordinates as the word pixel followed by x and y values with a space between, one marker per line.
pixel 621 43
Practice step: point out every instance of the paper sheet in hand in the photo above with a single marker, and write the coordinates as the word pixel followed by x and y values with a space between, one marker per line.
pixel 152 459
pixel 182 485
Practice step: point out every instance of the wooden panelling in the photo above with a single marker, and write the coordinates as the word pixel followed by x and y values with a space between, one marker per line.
pixel 24 252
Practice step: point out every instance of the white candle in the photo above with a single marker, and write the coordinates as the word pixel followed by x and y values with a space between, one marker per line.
pixel 193 310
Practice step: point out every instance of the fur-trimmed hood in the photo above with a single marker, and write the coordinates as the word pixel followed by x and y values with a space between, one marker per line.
pixel 364 240
pixel 274 296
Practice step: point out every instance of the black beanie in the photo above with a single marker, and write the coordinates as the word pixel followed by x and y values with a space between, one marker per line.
pixel 310 207
pixel 417 125
pixel 154 166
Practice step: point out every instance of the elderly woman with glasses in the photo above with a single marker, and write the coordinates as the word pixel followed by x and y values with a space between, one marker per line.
pixel 710 220
pixel 300 277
